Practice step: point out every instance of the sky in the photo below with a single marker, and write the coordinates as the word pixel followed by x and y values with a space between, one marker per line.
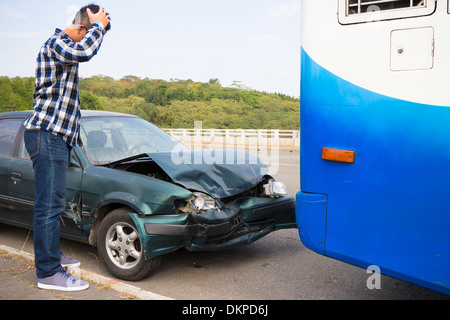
pixel 255 43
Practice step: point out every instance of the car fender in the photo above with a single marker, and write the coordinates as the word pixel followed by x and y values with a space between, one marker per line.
pixel 156 245
pixel 126 199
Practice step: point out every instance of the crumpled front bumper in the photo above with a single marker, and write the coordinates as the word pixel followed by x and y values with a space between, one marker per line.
pixel 243 221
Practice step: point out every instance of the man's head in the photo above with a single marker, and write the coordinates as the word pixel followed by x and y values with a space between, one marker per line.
pixel 82 17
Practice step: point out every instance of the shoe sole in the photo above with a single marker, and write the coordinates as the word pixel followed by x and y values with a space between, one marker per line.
pixel 52 287
pixel 74 265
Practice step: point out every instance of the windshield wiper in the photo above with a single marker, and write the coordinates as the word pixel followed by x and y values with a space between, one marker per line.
pixel 136 157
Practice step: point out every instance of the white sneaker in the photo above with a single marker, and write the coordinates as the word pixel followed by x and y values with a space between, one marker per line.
pixel 62 281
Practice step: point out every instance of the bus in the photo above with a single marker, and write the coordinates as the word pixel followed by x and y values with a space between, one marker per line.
pixel 375 136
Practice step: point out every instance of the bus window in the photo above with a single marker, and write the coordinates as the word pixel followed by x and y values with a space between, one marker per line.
pixel 359 11
pixel 361 6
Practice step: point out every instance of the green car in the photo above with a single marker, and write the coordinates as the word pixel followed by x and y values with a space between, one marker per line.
pixel 136 193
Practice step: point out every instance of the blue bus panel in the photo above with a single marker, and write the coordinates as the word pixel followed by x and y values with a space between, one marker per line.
pixel 391 207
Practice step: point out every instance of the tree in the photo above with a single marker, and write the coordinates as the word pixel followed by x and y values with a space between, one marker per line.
pixel 89 101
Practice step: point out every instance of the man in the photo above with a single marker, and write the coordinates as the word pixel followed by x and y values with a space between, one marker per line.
pixel 51 133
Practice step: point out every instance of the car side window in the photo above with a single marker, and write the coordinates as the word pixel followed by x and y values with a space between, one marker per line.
pixel 23 153
pixel 8 133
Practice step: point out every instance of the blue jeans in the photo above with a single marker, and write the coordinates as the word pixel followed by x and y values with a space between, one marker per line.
pixel 51 158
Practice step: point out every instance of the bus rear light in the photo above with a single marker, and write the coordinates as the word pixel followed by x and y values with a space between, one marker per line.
pixel 339 155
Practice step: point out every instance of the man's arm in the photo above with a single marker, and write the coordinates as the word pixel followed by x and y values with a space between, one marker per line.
pixel 70 52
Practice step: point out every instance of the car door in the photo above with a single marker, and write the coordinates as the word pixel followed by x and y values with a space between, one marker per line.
pixel 8 132
pixel 21 190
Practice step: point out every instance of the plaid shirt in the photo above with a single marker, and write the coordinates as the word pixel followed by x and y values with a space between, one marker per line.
pixel 56 97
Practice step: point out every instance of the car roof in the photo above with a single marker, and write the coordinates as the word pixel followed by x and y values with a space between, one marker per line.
pixel 84 113
pixel 16 114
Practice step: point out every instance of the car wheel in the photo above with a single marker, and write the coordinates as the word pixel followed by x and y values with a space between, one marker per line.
pixel 120 248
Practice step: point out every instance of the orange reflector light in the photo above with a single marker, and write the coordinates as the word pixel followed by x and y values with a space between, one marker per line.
pixel 339 155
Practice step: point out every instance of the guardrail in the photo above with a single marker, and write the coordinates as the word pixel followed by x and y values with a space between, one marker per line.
pixel 240 138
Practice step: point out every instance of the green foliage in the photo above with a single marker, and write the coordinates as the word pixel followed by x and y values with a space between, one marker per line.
pixel 89 101
pixel 171 104
pixel 16 94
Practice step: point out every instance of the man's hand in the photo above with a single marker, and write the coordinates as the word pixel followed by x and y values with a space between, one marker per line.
pixel 101 16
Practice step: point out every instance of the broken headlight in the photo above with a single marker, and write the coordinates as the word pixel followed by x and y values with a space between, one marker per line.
pixel 198 203
pixel 274 189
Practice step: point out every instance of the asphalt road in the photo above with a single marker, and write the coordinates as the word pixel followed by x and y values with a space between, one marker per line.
pixel 275 267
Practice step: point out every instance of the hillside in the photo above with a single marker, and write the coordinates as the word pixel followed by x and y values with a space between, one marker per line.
pixel 171 104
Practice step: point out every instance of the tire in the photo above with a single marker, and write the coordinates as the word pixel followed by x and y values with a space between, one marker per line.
pixel 120 249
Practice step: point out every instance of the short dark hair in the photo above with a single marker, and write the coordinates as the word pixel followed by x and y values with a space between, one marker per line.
pixel 82 16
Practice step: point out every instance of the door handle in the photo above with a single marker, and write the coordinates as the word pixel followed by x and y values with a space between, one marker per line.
pixel 16 176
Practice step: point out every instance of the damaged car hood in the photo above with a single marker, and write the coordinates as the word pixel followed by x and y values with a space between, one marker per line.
pixel 219 173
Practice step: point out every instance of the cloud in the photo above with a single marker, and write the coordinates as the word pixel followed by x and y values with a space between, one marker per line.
pixel 10 12
pixel 18 35
pixel 284 10
pixel 263 37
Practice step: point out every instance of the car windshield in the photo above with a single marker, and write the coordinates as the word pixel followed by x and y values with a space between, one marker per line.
pixel 108 139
